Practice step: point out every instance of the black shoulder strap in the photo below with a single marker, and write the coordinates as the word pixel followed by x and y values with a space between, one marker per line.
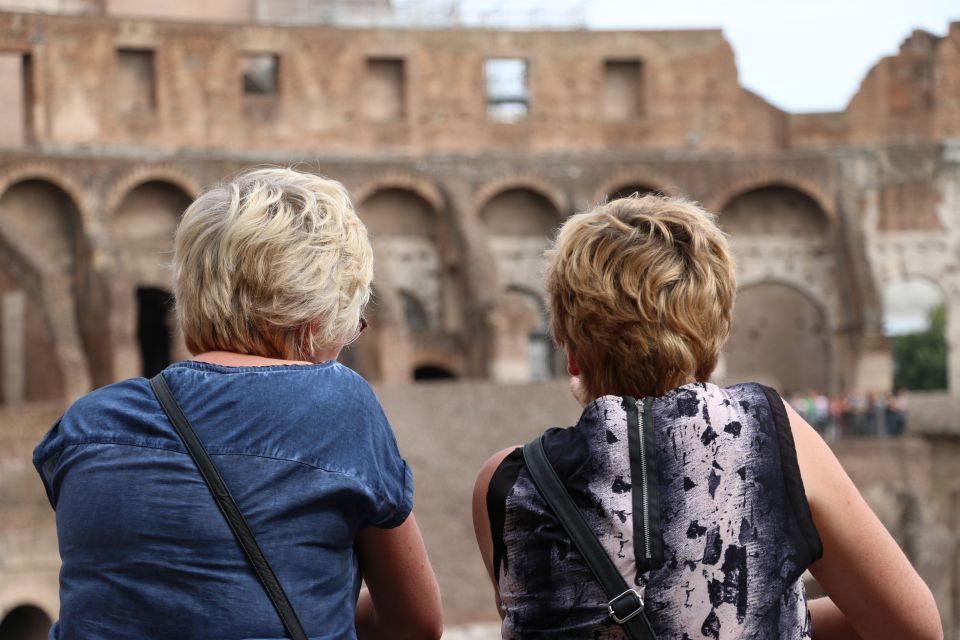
pixel 626 605
pixel 229 508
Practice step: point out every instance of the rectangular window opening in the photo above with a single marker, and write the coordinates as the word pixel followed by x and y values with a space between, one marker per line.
pixel 28 99
pixel 260 74
pixel 624 96
pixel 508 93
pixel 136 82
pixel 261 85
pixel 384 90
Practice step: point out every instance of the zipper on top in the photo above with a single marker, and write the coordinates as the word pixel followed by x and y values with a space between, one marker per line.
pixel 645 492
pixel 646 488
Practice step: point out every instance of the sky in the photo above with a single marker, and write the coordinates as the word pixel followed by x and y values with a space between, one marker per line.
pixel 800 55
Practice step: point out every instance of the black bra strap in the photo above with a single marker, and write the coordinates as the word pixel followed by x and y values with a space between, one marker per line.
pixel 229 508
pixel 625 605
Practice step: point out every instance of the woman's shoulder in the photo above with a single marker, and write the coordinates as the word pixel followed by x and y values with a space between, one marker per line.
pixel 108 414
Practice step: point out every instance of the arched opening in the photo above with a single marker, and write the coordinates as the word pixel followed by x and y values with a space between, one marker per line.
pixel 404 230
pixel 26 337
pixel 432 372
pixel 629 190
pixel 42 314
pixel 154 329
pixel 520 223
pixel 915 320
pixel 774 211
pixel 143 227
pixel 520 212
pixel 25 622
pixel 779 337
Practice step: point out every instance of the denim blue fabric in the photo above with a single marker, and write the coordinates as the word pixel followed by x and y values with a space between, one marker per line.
pixel 309 457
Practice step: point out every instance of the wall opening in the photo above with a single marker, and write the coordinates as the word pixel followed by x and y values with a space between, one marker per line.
pixel 508 94
pixel 136 93
pixel 624 96
pixel 41 238
pixel 779 337
pixel 404 228
pixel 261 85
pixel 154 330
pixel 915 320
pixel 384 90
pixel 25 622
pixel 431 372
pixel 29 97
pixel 775 211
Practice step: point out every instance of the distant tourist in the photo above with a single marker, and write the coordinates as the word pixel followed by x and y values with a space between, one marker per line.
pixel 272 273
pixel 853 413
pixel 709 502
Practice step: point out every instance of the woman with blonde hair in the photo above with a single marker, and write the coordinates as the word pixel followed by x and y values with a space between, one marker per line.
pixel 246 492
pixel 709 502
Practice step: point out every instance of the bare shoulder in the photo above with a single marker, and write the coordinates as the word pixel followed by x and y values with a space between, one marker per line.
pixel 486 473
pixel 481 522
pixel 864 573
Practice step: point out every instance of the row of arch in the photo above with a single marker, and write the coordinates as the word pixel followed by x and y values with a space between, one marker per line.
pixel 427 273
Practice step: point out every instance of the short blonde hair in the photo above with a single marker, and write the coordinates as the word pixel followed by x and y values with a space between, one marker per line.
pixel 274 263
pixel 641 292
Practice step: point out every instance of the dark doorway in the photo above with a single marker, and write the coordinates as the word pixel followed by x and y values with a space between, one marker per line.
pixel 432 372
pixel 25 622
pixel 154 307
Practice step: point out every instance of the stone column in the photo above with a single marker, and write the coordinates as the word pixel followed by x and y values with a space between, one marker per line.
pixel 510 322
pixel 60 307
pixel 874 365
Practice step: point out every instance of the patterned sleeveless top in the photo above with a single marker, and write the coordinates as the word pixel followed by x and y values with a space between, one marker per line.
pixel 696 496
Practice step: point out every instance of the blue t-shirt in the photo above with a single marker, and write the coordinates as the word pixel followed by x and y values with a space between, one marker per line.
pixel 306 452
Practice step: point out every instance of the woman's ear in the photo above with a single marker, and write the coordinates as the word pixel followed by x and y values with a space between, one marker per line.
pixel 572 368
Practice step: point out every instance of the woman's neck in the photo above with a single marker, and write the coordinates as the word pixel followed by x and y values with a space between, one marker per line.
pixel 232 359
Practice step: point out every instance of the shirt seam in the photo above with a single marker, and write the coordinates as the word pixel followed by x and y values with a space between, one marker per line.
pixel 184 452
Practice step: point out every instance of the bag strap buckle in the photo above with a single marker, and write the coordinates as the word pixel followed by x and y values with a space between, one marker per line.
pixel 617 608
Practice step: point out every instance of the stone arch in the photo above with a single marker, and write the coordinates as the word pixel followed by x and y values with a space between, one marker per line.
pixel 625 183
pixel 767 180
pixel 42 224
pixel 554 195
pixel 781 337
pixel 141 175
pixel 25 622
pixel 519 224
pixel 141 225
pixel 404 232
pixel 775 209
pixel 26 333
pixel 55 176
pixel 404 182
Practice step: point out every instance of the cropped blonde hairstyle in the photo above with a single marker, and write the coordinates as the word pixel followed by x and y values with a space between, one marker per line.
pixel 275 263
pixel 641 292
